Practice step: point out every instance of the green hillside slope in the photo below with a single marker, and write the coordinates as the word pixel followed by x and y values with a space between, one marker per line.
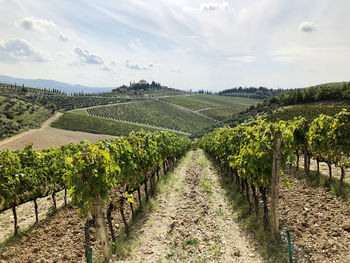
pixel 214 106
pixel 155 113
pixel 17 116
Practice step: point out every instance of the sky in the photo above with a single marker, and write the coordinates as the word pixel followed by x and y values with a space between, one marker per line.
pixel 193 44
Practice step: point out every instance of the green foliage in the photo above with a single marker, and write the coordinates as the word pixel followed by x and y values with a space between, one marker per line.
pixel 248 149
pixel 154 112
pixel 309 112
pixel 54 100
pixel 252 92
pixel 90 171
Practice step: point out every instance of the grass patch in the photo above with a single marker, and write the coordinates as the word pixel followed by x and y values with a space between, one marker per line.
pixel 189 242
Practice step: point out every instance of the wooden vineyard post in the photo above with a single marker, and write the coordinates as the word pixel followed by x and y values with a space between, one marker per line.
pixel 276 171
pixel 101 230
pixel 306 162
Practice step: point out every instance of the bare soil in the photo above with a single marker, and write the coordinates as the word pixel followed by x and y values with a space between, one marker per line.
pixel 318 221
pixel 336 172
pixel 192 221
pixel 47 136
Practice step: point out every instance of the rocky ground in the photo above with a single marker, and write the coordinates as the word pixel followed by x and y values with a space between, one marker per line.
pixel 319 222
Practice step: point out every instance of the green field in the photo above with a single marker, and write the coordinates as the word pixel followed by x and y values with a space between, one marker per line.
pixel 214 106
pixel 156 113
pixel 17 116
pixel 310 112
pixel 78 121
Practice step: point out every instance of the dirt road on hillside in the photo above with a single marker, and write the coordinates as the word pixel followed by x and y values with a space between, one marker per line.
pixel 47 136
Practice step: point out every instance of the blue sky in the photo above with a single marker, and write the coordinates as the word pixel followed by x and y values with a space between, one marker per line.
pixel 189 44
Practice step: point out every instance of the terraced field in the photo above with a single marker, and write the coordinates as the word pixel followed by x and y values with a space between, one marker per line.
pixel 214 106
pixel 155 113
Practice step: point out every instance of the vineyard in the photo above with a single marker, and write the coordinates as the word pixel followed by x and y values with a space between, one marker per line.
pixel 216 107
pixel 75 121
pixel 309 112
pixel 156 113
pixel 253 154
pixel 110 170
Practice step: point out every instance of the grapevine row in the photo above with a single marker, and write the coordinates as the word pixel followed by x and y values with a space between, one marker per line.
pixel 246 151
pixel 93 173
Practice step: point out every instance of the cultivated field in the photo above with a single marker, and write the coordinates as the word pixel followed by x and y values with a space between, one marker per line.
pixel 214 106
pixel 156 113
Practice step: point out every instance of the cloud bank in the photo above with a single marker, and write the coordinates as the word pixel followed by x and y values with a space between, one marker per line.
pixel 17 50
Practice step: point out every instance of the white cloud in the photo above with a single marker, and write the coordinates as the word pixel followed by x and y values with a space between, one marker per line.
pixel 105 68
pixel 139 67
pixel 86 57
pixel 113 63
pixel 64 37
pixel 245 59
pixel 175 70
pixel 17 50
pixel 215 6
pixel 35 24
pixel 307 27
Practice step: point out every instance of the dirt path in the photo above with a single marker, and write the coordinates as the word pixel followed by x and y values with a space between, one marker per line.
pixel 47 136
pixel 27 133
pixel 192 222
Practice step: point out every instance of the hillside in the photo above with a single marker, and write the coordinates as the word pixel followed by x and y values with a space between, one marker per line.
pixel 17 116
pixel 54 99
pixel 80 121
pixel 52 84
pixel 144 89
pixel 252 92
pixel 156 113
pixel 214 106
pixel 325 94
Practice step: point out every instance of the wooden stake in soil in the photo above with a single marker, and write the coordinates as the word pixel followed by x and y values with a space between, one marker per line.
pixel 36 211
pixel 139 195
pixel 306 162
pixel 54 199
pixel 109 220
pixel 276 171
pixel 65 196
pixel 146 190
pixel 101 230
pixel 123 216
pixel 15 218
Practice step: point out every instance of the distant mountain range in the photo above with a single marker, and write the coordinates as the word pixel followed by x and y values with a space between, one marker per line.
pixel 52 84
